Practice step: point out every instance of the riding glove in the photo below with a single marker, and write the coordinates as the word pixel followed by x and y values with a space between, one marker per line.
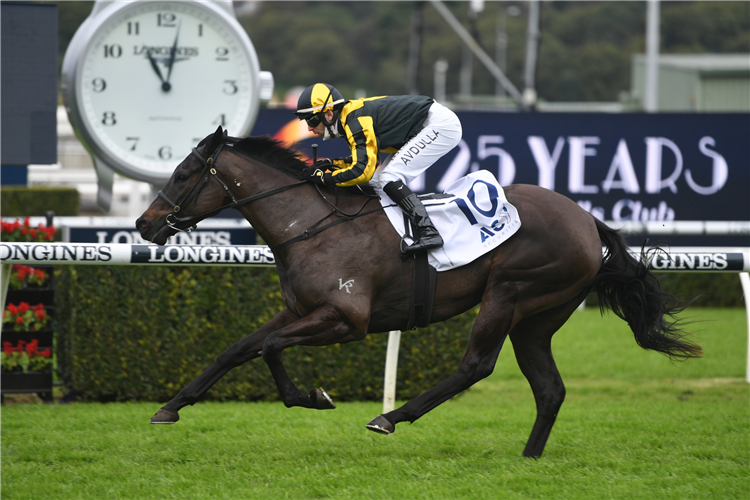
pixel 318 172
pixel 313 174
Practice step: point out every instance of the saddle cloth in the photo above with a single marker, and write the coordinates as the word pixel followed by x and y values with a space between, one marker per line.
pixel 472 215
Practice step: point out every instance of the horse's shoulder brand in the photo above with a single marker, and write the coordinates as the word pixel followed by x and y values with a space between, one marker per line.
pixel 346 284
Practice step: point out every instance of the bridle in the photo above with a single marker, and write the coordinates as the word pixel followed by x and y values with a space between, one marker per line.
pixel 209 171
pixel 188 223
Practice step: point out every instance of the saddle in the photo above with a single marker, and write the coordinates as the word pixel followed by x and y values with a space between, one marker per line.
pixel 473 217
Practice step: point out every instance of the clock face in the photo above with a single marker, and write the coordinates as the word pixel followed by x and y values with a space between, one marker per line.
pixel 157 77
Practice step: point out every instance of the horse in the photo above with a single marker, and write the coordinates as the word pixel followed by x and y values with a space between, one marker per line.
pixel 527 287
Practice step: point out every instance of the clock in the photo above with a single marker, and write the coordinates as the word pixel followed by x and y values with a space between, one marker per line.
pixel 144 81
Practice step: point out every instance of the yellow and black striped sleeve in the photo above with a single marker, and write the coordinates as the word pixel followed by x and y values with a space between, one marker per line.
pixel 360 134
pixel 340 163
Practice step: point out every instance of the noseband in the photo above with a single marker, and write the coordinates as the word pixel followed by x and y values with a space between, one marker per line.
pixel 188 223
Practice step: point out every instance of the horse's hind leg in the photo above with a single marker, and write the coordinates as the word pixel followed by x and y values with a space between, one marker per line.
pixel 531 339
pixel 490 329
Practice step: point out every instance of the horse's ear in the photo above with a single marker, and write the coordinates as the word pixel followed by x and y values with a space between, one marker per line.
pixel 216 139
pixel 212 141
pixel 219 134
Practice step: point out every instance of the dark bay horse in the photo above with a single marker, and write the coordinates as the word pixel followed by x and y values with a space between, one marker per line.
pixel 527 287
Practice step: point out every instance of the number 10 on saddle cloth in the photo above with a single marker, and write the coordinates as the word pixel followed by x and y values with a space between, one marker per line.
pixel 473 217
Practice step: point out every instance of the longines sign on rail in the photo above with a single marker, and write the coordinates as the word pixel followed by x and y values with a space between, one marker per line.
pixel 122 254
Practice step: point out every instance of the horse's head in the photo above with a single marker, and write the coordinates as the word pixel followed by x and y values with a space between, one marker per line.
pixel 190 195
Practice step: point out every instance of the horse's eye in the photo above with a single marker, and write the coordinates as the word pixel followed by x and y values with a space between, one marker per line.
pixel 181 177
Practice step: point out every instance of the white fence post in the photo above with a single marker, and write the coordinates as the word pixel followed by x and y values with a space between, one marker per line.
pixel 4 281
pixel 745 280
pixel 391 367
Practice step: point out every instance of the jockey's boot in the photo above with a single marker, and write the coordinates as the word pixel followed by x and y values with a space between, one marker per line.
pixel 428 237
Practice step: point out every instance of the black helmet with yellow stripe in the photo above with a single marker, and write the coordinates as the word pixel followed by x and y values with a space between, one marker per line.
pixel 317 99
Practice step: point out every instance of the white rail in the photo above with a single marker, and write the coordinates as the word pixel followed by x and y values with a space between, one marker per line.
pixel 684 227
pixel 675 259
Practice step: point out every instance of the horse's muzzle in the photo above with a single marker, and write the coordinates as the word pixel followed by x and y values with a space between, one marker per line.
pixel 153 231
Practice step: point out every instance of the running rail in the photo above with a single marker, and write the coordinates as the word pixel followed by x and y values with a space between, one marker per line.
pixel 675 259
pixel 684 227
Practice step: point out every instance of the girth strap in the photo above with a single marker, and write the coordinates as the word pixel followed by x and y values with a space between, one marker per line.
pixel 422 292
pixel 423 284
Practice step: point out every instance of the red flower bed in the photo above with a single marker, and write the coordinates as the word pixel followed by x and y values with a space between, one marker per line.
pixel 25 357
pixel 25 318
pixel 22 276
pixel 22 231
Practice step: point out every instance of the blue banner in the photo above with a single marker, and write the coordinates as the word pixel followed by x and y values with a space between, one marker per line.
pixel 217 236
pixel 621 167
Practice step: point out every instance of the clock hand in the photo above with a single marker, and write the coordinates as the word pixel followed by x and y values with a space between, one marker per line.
pixel 155 66
pixel 173 53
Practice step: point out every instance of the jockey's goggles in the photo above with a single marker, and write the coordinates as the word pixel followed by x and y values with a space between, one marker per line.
pixel 314 120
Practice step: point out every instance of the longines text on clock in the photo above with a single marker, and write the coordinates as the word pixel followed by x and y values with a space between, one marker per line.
pixel 163 50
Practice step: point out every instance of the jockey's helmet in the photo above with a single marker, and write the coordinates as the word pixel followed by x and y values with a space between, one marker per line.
pixel 317 99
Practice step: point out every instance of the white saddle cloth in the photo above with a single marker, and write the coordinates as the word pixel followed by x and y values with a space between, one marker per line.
pixel 473 217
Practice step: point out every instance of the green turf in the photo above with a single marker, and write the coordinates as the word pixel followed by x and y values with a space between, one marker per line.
pixel 634 425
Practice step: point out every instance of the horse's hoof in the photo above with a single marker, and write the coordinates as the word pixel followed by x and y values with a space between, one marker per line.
pixel 321 400
pixel 164 417
pixel 381 425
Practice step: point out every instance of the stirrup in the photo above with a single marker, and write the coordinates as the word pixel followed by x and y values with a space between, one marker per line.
pixel 423 244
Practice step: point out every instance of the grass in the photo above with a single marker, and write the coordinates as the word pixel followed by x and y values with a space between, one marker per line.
pixel 634 425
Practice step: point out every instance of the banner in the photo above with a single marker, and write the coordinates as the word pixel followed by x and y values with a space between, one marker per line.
pixel 230 232
pixel 619 167
pixel 121 230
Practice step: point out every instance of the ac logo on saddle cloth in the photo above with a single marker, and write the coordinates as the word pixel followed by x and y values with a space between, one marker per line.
pixel 474 218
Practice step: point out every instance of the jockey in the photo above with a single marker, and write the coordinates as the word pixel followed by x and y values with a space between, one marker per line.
pixel 416 130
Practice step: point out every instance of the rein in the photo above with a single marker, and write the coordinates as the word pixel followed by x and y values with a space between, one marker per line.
pixel 188 223
pixel 312 232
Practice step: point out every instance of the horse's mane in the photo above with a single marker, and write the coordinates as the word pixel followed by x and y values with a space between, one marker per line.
pixel 271 152
pixel 274 154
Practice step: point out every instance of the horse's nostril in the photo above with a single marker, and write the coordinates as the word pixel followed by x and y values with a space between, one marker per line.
pixel 141 224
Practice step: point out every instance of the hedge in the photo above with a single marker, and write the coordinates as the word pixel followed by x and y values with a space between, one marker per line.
pixel 708 290
pixel 704 289
pixel 23 201
pixel 143 333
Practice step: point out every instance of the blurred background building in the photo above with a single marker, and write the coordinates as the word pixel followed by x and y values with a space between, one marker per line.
pixel 695 82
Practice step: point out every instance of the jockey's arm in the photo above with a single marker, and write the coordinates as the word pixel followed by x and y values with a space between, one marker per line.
pixel 361 166
pixel 339 163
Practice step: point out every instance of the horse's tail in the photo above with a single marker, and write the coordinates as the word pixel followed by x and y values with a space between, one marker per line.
pixel 625 285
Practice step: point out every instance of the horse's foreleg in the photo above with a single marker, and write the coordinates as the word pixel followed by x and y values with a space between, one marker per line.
pixel 487 336
pixel 324 326
pixel 240 352
pixel 531 340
